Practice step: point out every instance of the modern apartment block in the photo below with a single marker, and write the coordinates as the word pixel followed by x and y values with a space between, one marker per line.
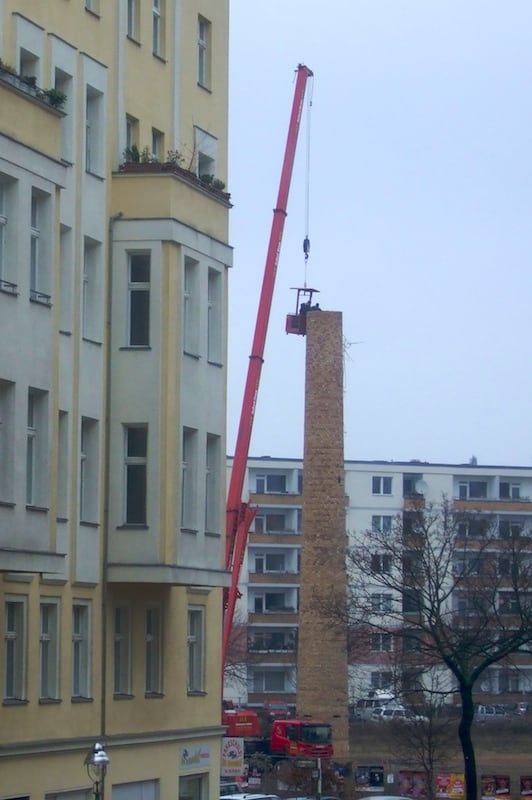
pixel 376 492
pixel 114 257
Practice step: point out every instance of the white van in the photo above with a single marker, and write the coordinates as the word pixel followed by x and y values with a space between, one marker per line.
pixel 365 707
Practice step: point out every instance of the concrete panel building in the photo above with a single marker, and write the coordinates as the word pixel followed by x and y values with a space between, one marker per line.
pixel 114 257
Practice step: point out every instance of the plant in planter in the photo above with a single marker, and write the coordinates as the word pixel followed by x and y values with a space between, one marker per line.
pixel 174 157
pixel 146 156
pixel 56 98
pixel 218 184
pixel 7 68
pixel 132 153
pixel 207 179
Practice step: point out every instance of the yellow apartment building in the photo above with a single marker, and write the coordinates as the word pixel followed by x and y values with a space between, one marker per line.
pixel 114 257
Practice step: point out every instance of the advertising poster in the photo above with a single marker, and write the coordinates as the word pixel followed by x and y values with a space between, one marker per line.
pixel 487 787
pixel 450 785
pixel 502 785
pixel 525 785
pixel 412 783
pixel 232 762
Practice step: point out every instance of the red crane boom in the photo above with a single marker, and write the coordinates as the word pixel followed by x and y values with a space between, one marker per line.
pixel 239 515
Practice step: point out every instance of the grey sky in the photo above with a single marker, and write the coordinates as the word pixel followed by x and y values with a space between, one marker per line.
pixel 420 220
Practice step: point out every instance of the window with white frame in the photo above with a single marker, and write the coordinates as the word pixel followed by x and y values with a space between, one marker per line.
pixel 191 315
pixel 273 680
pixel 139 299
pixel 381 642
pixel 270 562
pixel 66 279
pixel 381 680
pixel 204 52
pixel 62 466
pixel 7 439
pixel 206 147
pixel 214 317
pixel 153 651
pixel 381 523
pixel 39 248
pixel 132 136
pixel 63 82
pixel 189 479
pixel 36 448
pixel 196 649
pixel 30 66
pixel 473 490
pixel 49 649
pixel 15 648
pixel 158 27
pixel 122 651
pixel 133 19
pixel 81 649
pixel 381 602
pixel 274 483
pixel 510 528
pixel 157 145
pixel 136 474
pixel 5 285
pixel 381 484
pixel 94 131
pixel 508 490
pixel 212 484
pixel 88 471
pixel 92 294
pixel 381 563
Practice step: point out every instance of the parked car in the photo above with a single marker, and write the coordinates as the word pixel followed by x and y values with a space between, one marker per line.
pixel 387 713
pixel 230 787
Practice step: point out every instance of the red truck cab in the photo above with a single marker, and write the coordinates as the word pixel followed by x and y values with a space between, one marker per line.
pixel 301 737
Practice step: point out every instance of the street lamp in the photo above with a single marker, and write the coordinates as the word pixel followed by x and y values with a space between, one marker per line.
pixel 96 762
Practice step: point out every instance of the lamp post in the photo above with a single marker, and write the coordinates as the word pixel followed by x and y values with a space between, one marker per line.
pixel 96 762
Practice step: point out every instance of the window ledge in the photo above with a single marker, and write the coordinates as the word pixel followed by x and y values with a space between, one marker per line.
pixel 135 347
pixel 214 363
pixel 154 695
pixel 133 40
pixel 214 534
pixel 86 524
pixel 205 88
pixel 192 355
pixel 92 13
pixel 7 504
pixel 196 693
pixel 49 701
pixel 6 287
pixel 193 531
pixel 40 298
pixel 140 526
pixel 37 509
pixel 80 699
pixel 65 333
pixel 123 696
pixel 91 341
pixel 160 58
pixel 94 174
pixel 14 701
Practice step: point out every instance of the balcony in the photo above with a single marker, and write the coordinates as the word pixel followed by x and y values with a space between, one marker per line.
pixel 274 537
pixel 282 616
pixel 494 506
pixel 275 499
pixel 275 578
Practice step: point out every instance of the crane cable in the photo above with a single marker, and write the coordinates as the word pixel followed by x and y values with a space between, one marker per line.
pixel 306 240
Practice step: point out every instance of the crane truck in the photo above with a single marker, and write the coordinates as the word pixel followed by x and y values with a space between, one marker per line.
pixel 278 737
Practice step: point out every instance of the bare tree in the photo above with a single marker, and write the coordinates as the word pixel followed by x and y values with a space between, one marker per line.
pixel 458 601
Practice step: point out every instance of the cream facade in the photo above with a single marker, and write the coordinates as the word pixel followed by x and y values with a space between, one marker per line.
pixel 376 492
pixel 114 257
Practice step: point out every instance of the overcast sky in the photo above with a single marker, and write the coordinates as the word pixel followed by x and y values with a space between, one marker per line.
pixel 420 220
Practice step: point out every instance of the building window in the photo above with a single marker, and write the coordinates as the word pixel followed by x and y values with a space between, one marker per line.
pixel 49 649
pixel 3 238
pixel 122 652
pixel 36 448
pixel 473 490
pixel 270 484
pixel 381 680
pixel 510 528
pixel 15 649
pixel 212 484
pixel 381 524
pixel 381 564
pixel 153 641
pixel 381 603
pixel 157 31
pixel 65 279
pixel 62 466
pixel 132 138
pixel 381 485
pixel 193 787
pixel 7 439
pixel 157 145
pixel 268 680
pixel 206 147
pixel 93 5
pixel 136 474
pixel 94 131
pixel 412 484
pixel 92 292
pixel 133 19
pixel 188 479
pixel 39 255
pixel 196 654
pixel 214 317
pixel 8 261
pixel 270 523
pixel 139 300
pixel 80 650
pixel 88 471
pixel 473 528
pixel 381 643
pixel 509 491
pixel 204 52
pixel 191 317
